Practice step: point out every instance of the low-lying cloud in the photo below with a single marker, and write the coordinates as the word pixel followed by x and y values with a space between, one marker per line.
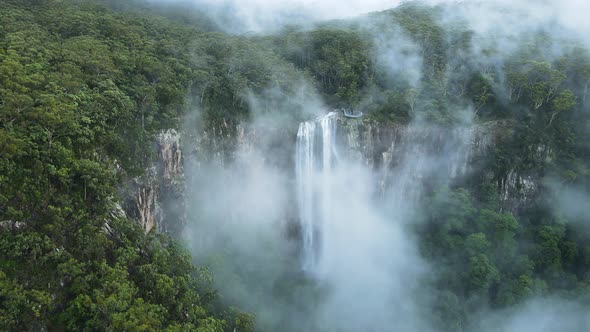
pixel 267 16
pixel 242 212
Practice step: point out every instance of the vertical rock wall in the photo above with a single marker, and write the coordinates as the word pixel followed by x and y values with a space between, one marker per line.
pixel 155 194
pixel 158 200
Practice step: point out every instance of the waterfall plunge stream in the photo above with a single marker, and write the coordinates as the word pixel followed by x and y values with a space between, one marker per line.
pixel 352 213
pixel 353 236
pixel 348 241
pixel 314 189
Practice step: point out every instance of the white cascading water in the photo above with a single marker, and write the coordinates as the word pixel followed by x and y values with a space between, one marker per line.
pixel 314 164
pixel 354 241
pixel 362 267
pixel 347 243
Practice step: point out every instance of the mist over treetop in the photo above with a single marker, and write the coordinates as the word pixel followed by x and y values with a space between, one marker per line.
pixel 165 161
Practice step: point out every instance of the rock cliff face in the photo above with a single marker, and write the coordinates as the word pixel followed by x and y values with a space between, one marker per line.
pixel 169 155
pixel 400 155
pixel 457 153
pixel 157 200
pixel 407 155
pixel 383 145
pixel 221 144
pixel 155 194
pixel 428 151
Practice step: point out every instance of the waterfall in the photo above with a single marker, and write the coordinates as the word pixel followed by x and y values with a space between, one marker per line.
pixel 348 240
pixel 417 157
pixel 315 160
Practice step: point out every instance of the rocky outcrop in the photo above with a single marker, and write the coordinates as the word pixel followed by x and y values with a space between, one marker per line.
pixel 146 204
pixel 400 155
pixel 11 225
pixel 520 185
pixel 517 190
pixel 407 155
pixel 159 186
pixel 221 144
pixel 378 145
pixel 157 200
pixel 169 155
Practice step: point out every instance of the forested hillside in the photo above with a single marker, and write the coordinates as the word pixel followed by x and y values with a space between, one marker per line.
pixel 488 257
pixel 83 90
pixel 86 85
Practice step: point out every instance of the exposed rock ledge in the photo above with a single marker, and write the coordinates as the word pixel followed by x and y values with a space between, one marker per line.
pixel 158 196
pixel 153 190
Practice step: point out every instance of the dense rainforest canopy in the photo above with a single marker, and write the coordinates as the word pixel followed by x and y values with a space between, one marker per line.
pixel 83 89
pixel 86 85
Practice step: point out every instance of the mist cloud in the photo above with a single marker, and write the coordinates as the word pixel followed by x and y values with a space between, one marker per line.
pixel 266 16
pixel 371 268
pixel 538 315
pixel 570 202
